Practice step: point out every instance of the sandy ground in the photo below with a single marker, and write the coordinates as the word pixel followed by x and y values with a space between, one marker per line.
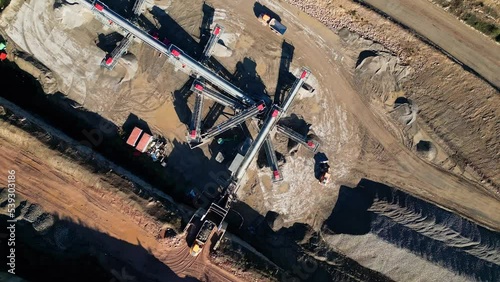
pixel 356 133
pixel 463 128
pixel 71 192
pixel 331 112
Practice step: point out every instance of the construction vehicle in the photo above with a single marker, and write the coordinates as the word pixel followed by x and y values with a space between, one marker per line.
pixel 324 177
pixel 273 23
pixel 202 237
pixel 212 220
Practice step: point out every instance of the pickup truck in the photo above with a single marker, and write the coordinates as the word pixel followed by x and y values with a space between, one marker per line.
pixel 273 23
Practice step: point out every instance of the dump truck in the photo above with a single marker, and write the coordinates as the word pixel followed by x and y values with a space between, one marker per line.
pixel 273 23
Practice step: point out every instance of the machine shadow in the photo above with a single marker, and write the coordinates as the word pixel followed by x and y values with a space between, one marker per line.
pixel 122 7
pixel 285 77
pixel 108 42
pixel 134 121
pixel 176 34
pixel 285 248
pixel 70 250
pixel 248 80
pixel 206 23
pixel 180 102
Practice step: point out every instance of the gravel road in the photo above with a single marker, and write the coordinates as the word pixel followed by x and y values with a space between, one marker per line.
pixel 462 42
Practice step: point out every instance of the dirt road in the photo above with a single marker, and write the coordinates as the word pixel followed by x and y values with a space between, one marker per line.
pixel 411 174
pixel 69 191
pixel 462 42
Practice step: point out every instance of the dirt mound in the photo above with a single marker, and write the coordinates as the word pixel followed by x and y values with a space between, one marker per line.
pixel 43 223
pixel 426 150
pixel 274 220
pixel 72 16
pixel 130 63
pixel 374 222
pixel 405 111
pixel 381 69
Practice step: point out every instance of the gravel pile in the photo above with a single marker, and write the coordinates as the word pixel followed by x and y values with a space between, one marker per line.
pixel 43 223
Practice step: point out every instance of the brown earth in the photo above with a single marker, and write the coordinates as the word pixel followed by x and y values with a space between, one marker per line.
pixel 350 112
pixel 479 53
pixel 69 191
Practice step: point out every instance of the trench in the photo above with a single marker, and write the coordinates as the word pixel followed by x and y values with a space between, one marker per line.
pixel 38 263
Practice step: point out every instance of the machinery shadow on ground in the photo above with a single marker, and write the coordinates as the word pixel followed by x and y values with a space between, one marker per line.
pixel 186 168
pixel 134 121
pixel 71 251
pixel 206 23
pixel 108 42
pixel 122 7
pixel 214 112
pixel 424 229
pixel 283 249
pixel 177 35
pixel 318 159
pixel 248 79
pixel 195 173
pixel 180 102
pixel 171 30
pixel 298 124
pixel 259 9
pixel 285 78
pixel 227 144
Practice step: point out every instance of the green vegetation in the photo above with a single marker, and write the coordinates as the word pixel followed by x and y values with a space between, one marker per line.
pixel 487 28
pixel 3 4
pixel 476 14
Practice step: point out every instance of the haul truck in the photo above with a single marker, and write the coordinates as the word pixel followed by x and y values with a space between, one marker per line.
pixel 273 23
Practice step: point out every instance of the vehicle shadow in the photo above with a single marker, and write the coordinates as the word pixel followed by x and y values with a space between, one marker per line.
pixel 134 121
pixel 259 9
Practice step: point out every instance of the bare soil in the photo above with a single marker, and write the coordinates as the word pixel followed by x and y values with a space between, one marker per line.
pixel 73 193
pixel 351 113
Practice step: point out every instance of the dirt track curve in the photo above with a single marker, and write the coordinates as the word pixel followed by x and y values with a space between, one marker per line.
pixel 412 174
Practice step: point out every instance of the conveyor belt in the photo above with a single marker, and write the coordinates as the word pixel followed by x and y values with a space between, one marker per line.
pixel 195 129
pixel 218 97
pixel 311 145
pixel 295 89
pixel 214 38
pixel 272 160
pixel 172 50
pixel 257 144
pixel 112 59
pixel 233 121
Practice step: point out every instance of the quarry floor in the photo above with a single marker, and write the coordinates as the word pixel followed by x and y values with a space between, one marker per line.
pixel 349 112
